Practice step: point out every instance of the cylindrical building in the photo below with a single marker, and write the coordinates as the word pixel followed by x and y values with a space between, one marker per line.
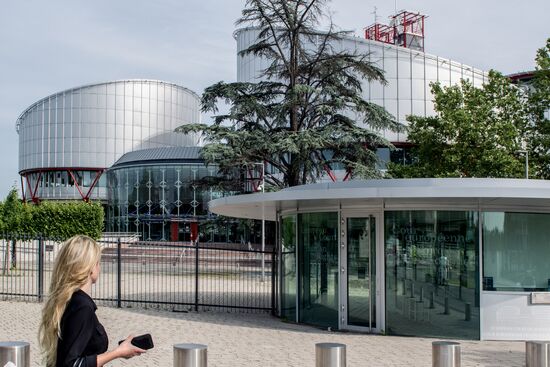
pixel 68 139
pixel 408 72
pixel 157 193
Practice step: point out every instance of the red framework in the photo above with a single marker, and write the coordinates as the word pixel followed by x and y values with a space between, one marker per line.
pixel 381 32
pixel 32 192
pixel 405 26
pixel 255 181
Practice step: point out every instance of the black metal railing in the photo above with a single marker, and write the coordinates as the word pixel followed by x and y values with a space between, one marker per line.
pixel 167 275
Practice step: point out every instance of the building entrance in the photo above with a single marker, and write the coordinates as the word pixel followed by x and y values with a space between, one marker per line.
pixel 359 299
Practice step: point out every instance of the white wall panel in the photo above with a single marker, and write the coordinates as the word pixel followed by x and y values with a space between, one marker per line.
pixel 408 74
pixel 510 316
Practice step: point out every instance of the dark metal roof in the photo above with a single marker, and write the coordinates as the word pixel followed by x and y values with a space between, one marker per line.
pixel 160 155
pixel 521 76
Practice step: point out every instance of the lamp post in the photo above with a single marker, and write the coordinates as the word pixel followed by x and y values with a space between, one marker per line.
pixel 263 219
pixel 526 152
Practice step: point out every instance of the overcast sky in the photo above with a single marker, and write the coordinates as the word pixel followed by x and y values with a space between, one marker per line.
pixel 49 46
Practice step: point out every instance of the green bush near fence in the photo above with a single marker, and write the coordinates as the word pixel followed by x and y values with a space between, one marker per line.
pixel 50 219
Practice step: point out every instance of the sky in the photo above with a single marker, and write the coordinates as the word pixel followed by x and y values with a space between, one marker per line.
pixel 50 46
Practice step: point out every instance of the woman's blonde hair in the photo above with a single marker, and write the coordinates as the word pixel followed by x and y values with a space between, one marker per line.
pixel 73 265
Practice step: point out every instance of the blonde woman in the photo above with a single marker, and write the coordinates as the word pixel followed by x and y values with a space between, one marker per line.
pixel 70 333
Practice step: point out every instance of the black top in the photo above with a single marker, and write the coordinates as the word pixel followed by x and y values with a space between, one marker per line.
pixel 82 336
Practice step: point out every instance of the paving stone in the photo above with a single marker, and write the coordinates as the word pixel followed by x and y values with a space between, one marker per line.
pixel 252 340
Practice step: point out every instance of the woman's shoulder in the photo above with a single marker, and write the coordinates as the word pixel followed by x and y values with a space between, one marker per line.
pixel 81 299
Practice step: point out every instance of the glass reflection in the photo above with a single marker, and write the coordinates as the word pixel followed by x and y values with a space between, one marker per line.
pixel 431 273
pixel 318 268
pixel 361 271
pixel 159 202
pixel 516 252
pixel 288 267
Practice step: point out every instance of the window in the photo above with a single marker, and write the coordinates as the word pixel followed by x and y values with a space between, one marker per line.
pixel 432 273
pixel 516 249
pixel 288 267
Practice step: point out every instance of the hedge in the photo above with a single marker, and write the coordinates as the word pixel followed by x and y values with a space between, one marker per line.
pixel 60 220
pixel 64 220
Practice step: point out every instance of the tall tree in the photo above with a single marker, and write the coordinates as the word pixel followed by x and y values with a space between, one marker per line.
pixel 539 102
pixel 476 132
pixel 307 114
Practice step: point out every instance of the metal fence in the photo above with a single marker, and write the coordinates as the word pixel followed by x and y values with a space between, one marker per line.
pixel 166 275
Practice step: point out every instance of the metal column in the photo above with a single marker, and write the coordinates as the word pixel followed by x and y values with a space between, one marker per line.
pixel 190 355
pixel 445 354
pixel 18 353
pixel 537 354
pixel 330 355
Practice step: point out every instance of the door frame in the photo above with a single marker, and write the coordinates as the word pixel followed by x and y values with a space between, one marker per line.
pixel 379 296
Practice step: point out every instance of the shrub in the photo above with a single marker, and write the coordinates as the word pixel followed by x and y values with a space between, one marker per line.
pixel 60 220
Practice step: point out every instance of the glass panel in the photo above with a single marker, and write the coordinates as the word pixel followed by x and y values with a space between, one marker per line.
pixel 516 252
pixel 432 273
pixel 288 267
pixel 361 271
pixel 318 268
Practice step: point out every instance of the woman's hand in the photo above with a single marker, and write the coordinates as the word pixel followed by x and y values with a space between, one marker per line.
pixel 127 350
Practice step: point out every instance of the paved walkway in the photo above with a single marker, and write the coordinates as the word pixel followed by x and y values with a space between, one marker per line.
pixel 251 340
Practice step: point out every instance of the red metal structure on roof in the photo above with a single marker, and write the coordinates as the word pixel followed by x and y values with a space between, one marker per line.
pixel 406 29
pixel 380 32
pixel 31 182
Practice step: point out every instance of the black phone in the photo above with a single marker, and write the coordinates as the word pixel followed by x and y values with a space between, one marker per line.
pixel 144 341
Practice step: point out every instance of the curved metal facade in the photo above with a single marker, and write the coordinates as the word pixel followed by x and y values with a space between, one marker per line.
pixel 68 139
pixel 158 194
pixel 408 73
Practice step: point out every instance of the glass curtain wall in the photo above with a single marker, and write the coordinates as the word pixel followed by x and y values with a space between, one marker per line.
pixel 288 267
pixel 516 252
pixel 361 271
pixel 432 283
pixel 155 200
pixel 318 268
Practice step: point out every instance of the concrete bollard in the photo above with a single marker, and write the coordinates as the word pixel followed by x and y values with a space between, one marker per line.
pixel 446 311
pixel 445 354
pixel 18 353
pixel 537 354
pixel 421 294
pixel 467 312
pixel 432 296
pixel 190 355
pixel 330 355
pixel 412 290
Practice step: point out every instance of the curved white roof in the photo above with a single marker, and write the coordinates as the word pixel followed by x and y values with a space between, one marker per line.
pixel 449 193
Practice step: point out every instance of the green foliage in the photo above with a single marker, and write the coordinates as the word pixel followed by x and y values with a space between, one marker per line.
pixel 297 119
pixel 477 132
pixel 539 102
pixel 65 220
pixel 50 219
pixel 12 213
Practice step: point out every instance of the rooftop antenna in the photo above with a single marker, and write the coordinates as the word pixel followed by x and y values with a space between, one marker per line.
pixel 395 6
pixel 375 14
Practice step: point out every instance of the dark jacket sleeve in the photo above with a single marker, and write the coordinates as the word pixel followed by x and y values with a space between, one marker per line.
pixel 77 329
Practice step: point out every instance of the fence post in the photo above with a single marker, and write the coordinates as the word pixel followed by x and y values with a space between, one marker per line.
pixel 13 254
pixel 196 275
pixel 119 274
pixel 40 268
pixel 273 267
pixel 6 262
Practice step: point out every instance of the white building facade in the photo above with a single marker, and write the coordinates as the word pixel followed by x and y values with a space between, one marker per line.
pixel 408 73
pixel 68 139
